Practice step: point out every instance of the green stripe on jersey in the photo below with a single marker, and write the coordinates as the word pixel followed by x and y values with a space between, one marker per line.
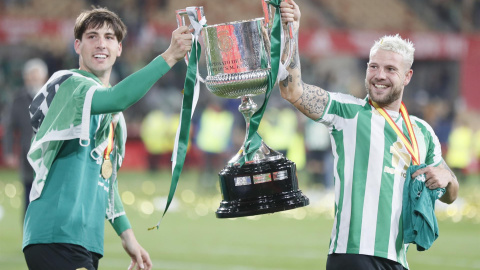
pixel 359 181
pixel 385 202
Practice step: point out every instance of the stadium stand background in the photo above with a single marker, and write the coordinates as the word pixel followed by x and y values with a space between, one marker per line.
pixel 335 38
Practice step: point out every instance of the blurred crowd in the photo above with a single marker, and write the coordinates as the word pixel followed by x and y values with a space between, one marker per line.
pixel 434 93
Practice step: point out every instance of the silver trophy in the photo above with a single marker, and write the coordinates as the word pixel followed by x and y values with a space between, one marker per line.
pixel 238 64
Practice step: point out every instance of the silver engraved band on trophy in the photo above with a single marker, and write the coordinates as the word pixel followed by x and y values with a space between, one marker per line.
pixel 237 58
pixel 226 85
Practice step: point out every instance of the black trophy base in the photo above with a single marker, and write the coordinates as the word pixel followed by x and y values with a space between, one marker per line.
pixel 262 188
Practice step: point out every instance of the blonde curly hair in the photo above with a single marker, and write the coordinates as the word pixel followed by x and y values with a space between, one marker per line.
pixel 395 44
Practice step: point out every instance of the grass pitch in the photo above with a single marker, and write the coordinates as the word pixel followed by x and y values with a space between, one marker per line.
pixel 190 237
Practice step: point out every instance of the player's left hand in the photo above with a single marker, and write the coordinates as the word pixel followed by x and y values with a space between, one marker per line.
pixel 140 257
pixel 290 12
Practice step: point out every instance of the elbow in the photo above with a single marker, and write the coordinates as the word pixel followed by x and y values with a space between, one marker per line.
pixel 451 194
pixel 448 199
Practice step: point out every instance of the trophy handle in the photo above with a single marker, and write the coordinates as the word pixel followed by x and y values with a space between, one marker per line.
pixel 180 15
pixel 287 32
pixel 291 43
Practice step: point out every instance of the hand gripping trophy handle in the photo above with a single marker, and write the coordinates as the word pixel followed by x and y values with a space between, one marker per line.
pixel 289 31
pixel 180 17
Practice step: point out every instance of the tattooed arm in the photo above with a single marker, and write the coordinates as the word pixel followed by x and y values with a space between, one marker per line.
pixel 441 177
pixel 309 99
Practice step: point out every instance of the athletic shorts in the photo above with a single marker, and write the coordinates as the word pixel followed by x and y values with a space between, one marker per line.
pixel 58 256
pixel 338 261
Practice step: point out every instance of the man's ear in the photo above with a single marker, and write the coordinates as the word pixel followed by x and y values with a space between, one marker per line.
pixel 76 45
pixel 408 77
pixel 119 49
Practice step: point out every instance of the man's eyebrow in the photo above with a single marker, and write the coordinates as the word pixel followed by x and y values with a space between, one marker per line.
pixel 91 32
pixel 391 66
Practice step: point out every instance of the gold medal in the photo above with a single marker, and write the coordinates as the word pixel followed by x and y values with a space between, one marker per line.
pixel 107 168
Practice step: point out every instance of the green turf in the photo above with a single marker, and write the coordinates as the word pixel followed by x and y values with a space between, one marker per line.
pixel 191 238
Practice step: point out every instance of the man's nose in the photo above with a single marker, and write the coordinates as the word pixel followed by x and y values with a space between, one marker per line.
pixel 381 74
pixel 101 43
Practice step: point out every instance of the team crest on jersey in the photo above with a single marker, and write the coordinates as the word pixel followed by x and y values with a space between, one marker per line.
pixel 400 156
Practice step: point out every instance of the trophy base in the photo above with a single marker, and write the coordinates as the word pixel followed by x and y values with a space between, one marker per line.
pixel 260 188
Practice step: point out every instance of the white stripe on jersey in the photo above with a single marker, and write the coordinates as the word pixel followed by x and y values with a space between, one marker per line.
pixel 372 188
pixel 397 200
pixel 333 236
pixel 438 149
pixel 349 144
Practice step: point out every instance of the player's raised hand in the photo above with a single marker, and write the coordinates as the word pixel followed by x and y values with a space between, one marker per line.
pixel 181 43
pixel 290 13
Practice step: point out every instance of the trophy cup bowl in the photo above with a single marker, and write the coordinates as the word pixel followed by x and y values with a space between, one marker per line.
pixel 238 64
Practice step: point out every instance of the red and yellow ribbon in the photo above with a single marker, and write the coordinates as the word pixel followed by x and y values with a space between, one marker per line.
pixel 412 147
pixel 108 150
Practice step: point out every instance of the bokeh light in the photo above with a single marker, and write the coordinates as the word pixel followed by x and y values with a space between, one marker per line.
pixel 148 187
pixel 128 197
pixel 10 190
pixel 188 196
pixel 147 207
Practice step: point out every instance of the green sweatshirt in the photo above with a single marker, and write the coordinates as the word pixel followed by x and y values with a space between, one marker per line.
pixel 71 200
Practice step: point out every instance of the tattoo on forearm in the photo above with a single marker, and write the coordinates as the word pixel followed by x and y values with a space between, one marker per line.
pixel 313 99
pixel 295 55
pixel 295 60
pixel 294 64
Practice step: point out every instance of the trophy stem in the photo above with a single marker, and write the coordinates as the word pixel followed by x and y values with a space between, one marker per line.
pixel 247 108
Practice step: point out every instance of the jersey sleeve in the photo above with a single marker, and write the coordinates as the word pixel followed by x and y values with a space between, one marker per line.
pixel 341 106
pixel 118 217
pixel 130 90
pixel 434 149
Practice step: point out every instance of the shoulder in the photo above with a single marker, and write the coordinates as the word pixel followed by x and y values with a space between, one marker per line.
pixel 70 76
pixel 346 99
pixel 345 105
pixel 69 81
pixel 342 106
pixel 422 124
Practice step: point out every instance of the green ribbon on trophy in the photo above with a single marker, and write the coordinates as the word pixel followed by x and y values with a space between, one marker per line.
pixel 190 97
pixel 253 141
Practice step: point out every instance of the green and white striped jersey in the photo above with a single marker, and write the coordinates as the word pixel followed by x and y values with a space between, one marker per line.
pixel 370 169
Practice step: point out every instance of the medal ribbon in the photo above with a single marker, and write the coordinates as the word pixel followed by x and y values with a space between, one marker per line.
pixel 411 147
pixel 108 150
